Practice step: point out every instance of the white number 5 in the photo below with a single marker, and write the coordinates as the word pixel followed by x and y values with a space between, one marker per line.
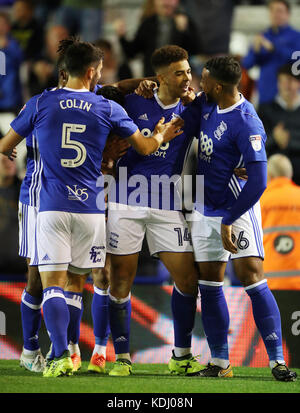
pixel 67 142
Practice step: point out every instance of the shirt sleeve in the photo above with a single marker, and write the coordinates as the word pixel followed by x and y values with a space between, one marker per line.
pixel 123 125
pixel 23 124
pixel 251 192
pixel 251 138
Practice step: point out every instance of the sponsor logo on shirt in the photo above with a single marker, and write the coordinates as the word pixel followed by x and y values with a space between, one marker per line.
pixel 161 151
pixel 77 194
pixel 206 147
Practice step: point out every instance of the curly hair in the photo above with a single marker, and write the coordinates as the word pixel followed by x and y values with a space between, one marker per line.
pixel 225 69
pixel 166 55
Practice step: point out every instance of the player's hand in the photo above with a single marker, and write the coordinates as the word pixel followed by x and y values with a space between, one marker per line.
pixel 226 235
pixel 108 167
pixel 189 97
pixel 170 129
pixel 241 173
pixel 146 89
pixel 12 154
pixel 115 148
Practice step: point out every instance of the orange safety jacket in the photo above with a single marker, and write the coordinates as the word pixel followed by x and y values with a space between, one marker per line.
pixel 280 207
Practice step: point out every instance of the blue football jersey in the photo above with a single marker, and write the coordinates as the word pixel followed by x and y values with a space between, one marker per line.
pixel 71 127
pixel 228 139
pixel 167 161
pixel 31 184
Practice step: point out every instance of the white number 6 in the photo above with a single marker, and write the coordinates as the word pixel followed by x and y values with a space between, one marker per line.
pixel 67 142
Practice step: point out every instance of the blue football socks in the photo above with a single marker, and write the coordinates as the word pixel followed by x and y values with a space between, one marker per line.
pixel 215 320
pixel 100 316
pixel 57 317
pixel 119 318
pixel 183 310
pixel 267 318
pixel 31 320
pixel 75 306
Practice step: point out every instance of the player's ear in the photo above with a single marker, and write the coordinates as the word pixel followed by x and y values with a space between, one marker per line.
pixel 160 78
pixel 218 88
pixel 90 72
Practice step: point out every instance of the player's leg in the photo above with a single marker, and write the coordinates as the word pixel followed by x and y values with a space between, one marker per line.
pixel 125 234
pixel 123 271
pixel 73 293
pixel 249 271
pixel 211 261
pixel 183 303
pixel 101 277
pixel 168 237
pixel 31 302
pixel 88 240
pixel 54 255
pixel 215 317
pixel 56 317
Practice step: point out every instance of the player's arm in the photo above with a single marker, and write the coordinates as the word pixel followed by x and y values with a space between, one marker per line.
pixel 163 132
pixel 9 142
pixel 21 127
pixel 249 196
pixel 250 140
pixel 127 86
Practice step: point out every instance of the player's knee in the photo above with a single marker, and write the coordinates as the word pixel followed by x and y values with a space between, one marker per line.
pixel 187 284
pixel 34 284
pixel 101 278
pixel 250 272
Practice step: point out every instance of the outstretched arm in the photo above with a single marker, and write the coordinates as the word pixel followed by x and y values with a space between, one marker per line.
pixel 164 132
pixel 127 86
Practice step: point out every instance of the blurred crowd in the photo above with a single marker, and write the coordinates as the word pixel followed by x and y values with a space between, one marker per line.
pixel 30 31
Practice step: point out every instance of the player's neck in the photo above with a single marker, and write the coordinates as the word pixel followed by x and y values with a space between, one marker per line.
pixel 165 97
pixel 229 100
pixel 78 83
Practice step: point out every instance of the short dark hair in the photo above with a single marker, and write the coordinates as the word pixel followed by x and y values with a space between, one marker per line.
pixel 80 55
pixel 285 2
pixel 112 93
pixel 225 69
pixel 166 55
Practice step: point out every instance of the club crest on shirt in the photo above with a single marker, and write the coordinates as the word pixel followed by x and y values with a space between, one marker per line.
pixel 255 141
pixel 220 130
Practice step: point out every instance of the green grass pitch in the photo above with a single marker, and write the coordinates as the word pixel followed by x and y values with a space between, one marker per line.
pixel 146 378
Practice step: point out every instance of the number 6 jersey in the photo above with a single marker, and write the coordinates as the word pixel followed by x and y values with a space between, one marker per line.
pixel 71 127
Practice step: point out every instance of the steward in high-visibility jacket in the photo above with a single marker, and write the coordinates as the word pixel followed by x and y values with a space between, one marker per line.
pixel 280 207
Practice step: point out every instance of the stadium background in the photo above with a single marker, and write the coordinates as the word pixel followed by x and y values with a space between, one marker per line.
pixel 152 335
